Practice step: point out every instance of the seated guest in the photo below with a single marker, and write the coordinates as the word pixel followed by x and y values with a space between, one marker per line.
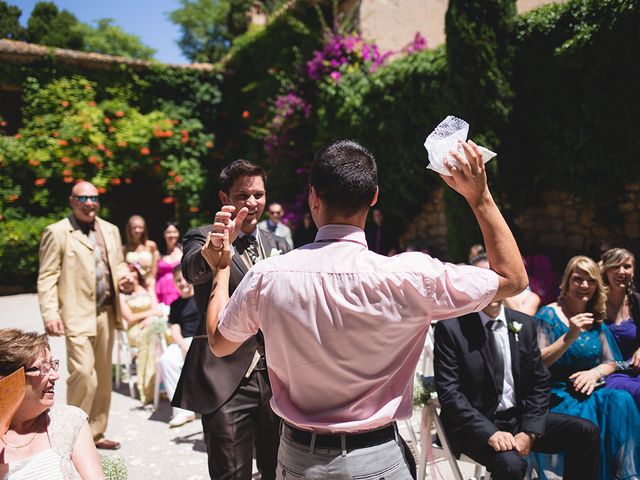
pixel 494 393
pixel 139 309
pixel 580 352
pixel 43 440
pixel 622 316
pixel 142 251
pixel 183 320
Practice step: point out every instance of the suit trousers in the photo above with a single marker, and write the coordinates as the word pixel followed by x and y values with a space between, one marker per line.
pixel 90 372
pixel 246 422
pixel 579 439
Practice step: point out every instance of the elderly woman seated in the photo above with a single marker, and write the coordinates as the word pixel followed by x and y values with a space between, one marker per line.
pixel 44 441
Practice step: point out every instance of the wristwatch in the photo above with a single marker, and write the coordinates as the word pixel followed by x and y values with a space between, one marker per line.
pixel 533 436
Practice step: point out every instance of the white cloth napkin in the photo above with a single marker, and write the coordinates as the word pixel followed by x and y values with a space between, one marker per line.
pixel 444 139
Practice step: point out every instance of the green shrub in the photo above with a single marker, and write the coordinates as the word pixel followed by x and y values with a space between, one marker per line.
pixel 19 243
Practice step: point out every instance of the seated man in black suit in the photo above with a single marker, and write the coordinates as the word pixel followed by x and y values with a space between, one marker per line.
pixel 494 394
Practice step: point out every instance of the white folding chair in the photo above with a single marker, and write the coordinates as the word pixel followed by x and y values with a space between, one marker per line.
pixel 124 356
pixel 162 346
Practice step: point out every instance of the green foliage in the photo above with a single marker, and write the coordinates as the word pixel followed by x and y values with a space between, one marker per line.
pixel 19 241
pixel 69 136
pixel 112 40
pixel 49 26
pixel 391 112
pixel 9 22
pixel 576 80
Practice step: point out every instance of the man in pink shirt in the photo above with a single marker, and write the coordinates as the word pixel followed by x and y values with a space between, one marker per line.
pixel 344 326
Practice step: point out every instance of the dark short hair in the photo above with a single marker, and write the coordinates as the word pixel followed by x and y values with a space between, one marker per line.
pixel 240 168
pixel 345 177
pixel 478 258
pixel 177 269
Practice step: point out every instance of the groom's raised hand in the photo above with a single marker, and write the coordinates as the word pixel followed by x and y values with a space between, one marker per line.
pixel 224 230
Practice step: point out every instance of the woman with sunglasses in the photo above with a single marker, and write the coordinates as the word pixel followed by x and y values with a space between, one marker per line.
pixel 580 352
pixel 44 441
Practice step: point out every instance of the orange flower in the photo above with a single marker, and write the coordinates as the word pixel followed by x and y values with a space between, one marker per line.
pixel 34 163
pixel 178 179
pixel 102 190
pixel 100 165
pixel 145 151
pixel 171 173
pixel 184 133
pixel 122 143
pixel 168 200
pixel 65 104
pixel 67 172
pixel 65 159
pixel 119 114
pixel 112 129
pixel 40 181
pixel 55 134
pixel 246 114
pixel 77 163
pixel 101 147
pixel 194 209
pixel 17 135
pixel 13 198
pixel 86 126
pixel 209 144
pixel 127 181
pixel 67 179
pixel 92 104
pixel 108 153
pixel 76 139
pixel 92 160
pixel 115 181
pixel 63 143
pixel 184 139
pixel 107 120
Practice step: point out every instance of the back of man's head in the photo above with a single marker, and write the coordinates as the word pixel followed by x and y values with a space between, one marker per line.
pixel 345 177
pixel 240 168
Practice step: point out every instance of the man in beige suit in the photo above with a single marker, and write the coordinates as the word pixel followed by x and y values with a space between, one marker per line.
pixel 81 272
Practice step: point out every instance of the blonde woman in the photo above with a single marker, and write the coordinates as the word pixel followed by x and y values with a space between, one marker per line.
pixel 141 251
pixel 580 352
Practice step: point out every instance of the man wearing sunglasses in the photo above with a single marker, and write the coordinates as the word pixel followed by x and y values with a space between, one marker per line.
pixel 81 271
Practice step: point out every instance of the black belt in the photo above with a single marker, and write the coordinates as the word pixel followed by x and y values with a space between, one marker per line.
pixel 509 414
pixel 352 441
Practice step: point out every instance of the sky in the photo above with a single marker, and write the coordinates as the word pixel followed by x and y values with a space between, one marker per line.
pixel 145 18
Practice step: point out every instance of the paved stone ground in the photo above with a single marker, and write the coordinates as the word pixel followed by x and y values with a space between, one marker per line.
pixel 151 449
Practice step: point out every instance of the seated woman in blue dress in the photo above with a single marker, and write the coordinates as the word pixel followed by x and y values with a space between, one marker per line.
pixel 622 317
pixel 580 353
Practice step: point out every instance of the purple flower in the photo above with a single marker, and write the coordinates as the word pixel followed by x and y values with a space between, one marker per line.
pixel 335 76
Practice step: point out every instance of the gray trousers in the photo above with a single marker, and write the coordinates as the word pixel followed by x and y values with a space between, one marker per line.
pixel 296 461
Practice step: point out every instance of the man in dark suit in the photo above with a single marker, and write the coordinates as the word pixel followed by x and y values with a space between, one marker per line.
pixel 494 394
pixel 232 393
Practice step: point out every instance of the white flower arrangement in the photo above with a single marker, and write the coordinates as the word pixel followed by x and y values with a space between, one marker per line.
pixel 515 327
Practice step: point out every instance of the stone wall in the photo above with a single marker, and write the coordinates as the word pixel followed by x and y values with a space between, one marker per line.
pixel 561 226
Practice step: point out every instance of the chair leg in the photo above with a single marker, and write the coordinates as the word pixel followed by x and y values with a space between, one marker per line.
pixel 118 360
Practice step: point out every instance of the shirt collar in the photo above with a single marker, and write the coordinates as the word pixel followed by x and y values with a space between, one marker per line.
pixel 254 234
pixel 486 318
pixel 348 233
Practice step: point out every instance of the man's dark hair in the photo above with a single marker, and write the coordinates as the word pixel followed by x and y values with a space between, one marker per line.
pixel 240 168
pixel 345 177
pixel 478 258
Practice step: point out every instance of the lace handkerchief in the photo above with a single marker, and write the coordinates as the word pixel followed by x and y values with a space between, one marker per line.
pixel 445 139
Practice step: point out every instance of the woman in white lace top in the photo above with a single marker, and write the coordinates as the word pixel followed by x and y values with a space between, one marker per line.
pixel 43 441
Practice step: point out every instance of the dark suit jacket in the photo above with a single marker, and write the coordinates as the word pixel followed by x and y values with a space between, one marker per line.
pixel 206 381
pixel 466 383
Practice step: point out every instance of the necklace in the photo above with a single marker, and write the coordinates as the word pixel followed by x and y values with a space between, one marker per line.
pixel 24 444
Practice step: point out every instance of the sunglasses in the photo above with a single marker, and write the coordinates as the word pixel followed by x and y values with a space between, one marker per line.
pixel 86 198
pixel 45 368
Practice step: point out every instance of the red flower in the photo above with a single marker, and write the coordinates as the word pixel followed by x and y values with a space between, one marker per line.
pixel 65 104
pixel 34 163
pixel 63 143
pixel 65 159
pixel 194 209
pixel 122 143
pixel 67 179
pixel 107 120
pixel 102 190
pixel 119 114
pixel 108 153
pixel 145 151
pixel 55 134
pixel 168 200
pixel 92 159
pixel 115 181
pixel 40 181
pixel 178 179
pixel 112 129
pixel 101 147
pixel 67 172
pixel 171 173
pixel 86 126
pixel 184 133
pixel 246 114
pixel 17 135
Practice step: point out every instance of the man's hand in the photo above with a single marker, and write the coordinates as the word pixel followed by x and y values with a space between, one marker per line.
pixel 216 250
pixel 468 175
pixel 55 328
pixel 502 441
pixel 524 442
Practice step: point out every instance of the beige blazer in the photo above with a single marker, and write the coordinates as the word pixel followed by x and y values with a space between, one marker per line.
pixel 66 277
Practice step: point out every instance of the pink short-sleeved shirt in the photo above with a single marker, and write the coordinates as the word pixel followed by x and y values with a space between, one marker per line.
pixel 344 327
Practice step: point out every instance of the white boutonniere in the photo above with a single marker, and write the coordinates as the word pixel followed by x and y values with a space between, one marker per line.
pixel 515 327
pixel 274 252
